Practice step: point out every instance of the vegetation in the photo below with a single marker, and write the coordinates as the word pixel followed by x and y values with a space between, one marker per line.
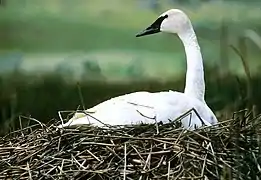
pixel 42 97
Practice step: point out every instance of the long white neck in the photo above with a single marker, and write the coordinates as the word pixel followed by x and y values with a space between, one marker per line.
pixel 195 83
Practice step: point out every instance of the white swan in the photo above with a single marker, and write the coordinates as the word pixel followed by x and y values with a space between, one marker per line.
pixel 149 107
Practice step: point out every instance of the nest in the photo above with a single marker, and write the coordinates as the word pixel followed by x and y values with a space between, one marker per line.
pixel 42 151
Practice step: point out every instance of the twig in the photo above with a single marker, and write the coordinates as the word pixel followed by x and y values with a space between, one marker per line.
pixel 125 161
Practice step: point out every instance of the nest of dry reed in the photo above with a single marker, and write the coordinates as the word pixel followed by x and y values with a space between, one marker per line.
pixel 134 152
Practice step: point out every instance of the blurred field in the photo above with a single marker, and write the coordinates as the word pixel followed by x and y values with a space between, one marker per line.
pixel 46 45
pixel 63 32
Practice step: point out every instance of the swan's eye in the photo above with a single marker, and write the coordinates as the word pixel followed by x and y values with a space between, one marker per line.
pixel 158 22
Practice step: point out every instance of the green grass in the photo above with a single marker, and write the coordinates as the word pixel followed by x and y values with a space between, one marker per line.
pixel 92 25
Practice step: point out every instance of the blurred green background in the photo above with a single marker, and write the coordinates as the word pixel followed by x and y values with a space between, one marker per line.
pixel 49 49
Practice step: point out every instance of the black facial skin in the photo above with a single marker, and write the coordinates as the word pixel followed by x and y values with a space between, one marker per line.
pixel 153 28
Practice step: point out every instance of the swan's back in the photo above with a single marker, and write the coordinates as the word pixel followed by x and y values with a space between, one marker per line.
pixel 146 107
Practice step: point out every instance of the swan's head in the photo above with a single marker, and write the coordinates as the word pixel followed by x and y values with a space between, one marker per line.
pixel 172 21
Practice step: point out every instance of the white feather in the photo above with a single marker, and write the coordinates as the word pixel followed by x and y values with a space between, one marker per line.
pixel 145 107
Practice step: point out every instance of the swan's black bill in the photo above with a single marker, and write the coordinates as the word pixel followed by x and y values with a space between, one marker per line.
pixel 148 31
pixel 153 28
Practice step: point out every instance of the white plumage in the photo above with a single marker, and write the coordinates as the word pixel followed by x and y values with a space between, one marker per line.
pixel 146 107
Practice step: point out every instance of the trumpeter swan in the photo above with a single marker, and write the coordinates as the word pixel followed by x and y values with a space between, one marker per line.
pixel 146 107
